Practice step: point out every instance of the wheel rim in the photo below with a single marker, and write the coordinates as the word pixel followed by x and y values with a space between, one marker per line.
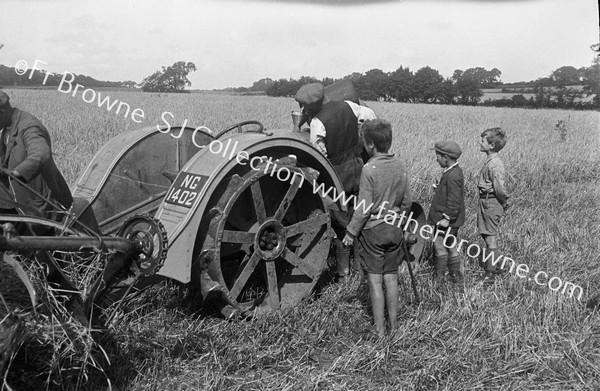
pixel 271 240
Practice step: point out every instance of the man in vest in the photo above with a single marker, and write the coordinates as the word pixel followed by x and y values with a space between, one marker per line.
pixel 26 152
pixel 334 130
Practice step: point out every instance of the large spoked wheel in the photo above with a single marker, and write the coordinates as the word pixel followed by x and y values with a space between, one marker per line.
pixel 272 238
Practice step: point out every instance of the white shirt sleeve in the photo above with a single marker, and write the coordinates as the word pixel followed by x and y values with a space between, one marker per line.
pixel 363 113
pixel 317 135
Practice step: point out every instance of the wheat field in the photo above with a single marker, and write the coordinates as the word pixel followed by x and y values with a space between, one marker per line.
pixel 516 336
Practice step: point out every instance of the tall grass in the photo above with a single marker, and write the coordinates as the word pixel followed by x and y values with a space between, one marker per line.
pixel 515 336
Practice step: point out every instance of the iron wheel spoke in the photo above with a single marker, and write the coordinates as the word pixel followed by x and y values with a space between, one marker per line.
pixel 307 240
pixel 238 237
pixel 286 202
pixel 273 285
pixel 300 263
pixel 259 205
pixel 244 275
pixel 306 225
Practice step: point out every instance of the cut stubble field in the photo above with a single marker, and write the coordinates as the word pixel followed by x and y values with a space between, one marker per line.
pixel 516 336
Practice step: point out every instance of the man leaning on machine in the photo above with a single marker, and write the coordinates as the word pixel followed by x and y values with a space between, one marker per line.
pixel 29 174
pixel 334 131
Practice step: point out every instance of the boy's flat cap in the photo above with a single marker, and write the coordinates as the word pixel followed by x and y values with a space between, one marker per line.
pixel 310 93
pixel 448 147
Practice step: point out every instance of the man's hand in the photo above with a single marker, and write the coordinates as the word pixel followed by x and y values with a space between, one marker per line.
pixel 348 239
pixel 444 223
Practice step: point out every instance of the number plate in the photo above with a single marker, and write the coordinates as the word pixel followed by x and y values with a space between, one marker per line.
pixel 186 189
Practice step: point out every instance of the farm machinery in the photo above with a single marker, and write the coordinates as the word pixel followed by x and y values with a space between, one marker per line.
pixel 234 213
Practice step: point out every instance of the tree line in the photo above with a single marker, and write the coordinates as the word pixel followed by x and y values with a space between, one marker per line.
pixel 170 79
pixel 8 78
pixel 565 87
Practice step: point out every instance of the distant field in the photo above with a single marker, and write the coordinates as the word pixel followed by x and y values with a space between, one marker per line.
pixel 518 336
pixel 496 93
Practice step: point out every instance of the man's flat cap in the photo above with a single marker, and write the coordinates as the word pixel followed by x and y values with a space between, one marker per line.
pixel 448 148
pixel 310 93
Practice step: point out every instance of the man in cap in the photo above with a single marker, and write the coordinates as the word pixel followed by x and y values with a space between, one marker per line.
pixel 334 130
pixel 26 151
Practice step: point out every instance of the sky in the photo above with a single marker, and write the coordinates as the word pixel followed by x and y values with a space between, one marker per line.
pixel 237 42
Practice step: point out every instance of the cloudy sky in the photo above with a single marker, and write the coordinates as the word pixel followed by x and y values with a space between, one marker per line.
pixel 236 42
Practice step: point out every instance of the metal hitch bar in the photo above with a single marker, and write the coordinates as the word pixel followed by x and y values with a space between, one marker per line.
pixel 52 243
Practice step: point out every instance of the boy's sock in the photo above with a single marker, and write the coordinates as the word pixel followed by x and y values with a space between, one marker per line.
pixel 489 276
pixel 342 259
pixel 441 265
pixel 489 268
pixel 480 260
pixel 357 268
pixel 456 276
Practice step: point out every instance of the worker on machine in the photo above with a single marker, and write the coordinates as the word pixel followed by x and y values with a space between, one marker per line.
pixel 334 131
pixel 36 186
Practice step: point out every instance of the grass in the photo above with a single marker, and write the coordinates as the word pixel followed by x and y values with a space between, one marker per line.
pixel 516 336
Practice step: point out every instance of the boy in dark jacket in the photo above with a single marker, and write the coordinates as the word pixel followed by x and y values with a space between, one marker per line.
pixel 447 211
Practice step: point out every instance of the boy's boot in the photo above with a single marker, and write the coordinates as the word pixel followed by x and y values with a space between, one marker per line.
pixel 441 267
pixel 356 266
pixel 490 270
pixel 500 271
pixel 342 259
pixel 456 276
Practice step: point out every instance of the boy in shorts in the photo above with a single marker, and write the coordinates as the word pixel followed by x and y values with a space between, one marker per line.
pixel 493 198
pixel 374 225
pixel 447 212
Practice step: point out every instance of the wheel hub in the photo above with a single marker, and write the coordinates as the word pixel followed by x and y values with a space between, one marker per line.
pixel 270 240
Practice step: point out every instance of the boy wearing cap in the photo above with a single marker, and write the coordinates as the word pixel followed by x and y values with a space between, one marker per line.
pixel 493 198
pixel 383 186
pixel 447 211
pixel 334 131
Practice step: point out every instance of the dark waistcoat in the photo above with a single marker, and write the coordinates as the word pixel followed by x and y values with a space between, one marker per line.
pixel 341 127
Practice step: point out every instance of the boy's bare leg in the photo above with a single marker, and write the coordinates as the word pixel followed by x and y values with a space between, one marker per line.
pixel 391 299
pixel 377 301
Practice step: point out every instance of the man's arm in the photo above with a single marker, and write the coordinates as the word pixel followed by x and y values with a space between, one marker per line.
pixel 317 135
pixel 362 113
pixel 38 154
